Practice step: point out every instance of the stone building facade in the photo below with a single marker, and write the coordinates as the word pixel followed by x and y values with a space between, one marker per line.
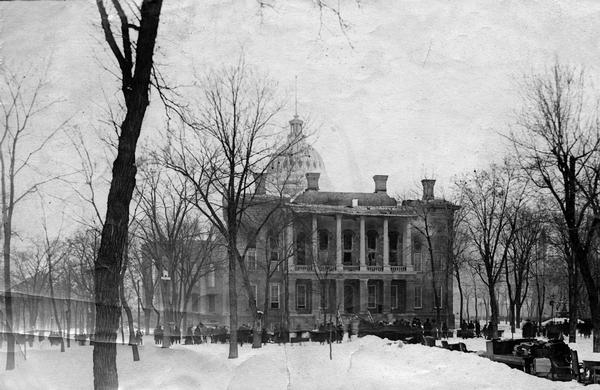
pixel 330 256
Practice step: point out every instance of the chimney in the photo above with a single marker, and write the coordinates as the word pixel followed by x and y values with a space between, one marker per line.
pixel 380 183
pixel 259 184
pixel 312 181
pixel 428 188
pixel 354 202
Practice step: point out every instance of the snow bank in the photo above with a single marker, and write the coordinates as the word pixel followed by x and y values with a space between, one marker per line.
pixel 366 363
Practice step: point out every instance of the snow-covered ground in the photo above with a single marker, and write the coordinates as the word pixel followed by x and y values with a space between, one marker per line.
pixel 365 363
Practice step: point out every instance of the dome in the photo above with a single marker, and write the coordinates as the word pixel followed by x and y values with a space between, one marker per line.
pixel 287 172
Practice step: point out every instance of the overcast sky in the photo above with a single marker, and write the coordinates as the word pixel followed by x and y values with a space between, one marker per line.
pixel 408 88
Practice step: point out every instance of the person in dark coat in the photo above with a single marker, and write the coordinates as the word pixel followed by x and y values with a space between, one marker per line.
pixel 477 329
pixel 197 335
pixel 158 335
pixel 139 337
pixel 427 328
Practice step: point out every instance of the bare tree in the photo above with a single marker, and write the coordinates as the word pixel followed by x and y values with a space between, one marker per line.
pixel 84 244
pixel 54 252
pixel 31 276
pixel 21 101
pixel 175 238
pixel 228 144
pixel 140 270
pixel 458 244
pixel 135 60
pixel 491 198
pixel 526 227
pixel 437 235
pixel 558 145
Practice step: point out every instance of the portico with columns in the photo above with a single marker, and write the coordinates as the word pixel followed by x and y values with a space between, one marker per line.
pixel 361 244
pixel 347 254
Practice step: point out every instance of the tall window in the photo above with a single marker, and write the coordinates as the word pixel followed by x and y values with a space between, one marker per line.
pixel 440 296
pixel 301 249
pixel 372 296
pixel 437 261
pixel 323 240
pixel 273 243
pixel 395 297
pixel 251 259
pixel 274 295
pixel 325 293
pixel 195 302
pixel 393 239
pixel 371 247
pixel 347 247
pixel 301 296
pixel 212 303
pixel 211 278
pixel 418 255
pixel 254 288
pixel 418 297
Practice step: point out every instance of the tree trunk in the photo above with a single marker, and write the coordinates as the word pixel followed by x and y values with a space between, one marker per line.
pixel 592 291
pixel 107 265
pixel 233 320
pixel 511 315
pixel 461 296
pixel 68 323
pixel 257 333
pixel 54 308
pixel 147 315
pixel 573 297
pixel 494 309
pixel 476 305
pixel 518 308
pixel 132 338
pixel 8 303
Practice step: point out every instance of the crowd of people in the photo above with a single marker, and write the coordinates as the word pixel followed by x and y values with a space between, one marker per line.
pixel 200 333
pixel 194 334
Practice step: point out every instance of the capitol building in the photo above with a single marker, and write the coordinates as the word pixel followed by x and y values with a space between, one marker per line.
pixel 334 256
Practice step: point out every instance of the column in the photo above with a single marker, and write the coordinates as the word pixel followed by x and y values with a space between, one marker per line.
pixel 386 245
pixel 339 295
pixel 407 246
pixel 362 244
pixel 338 242
pixel 316 297
pixel 363 291
pixel 387 296
pixel 315 241
pixel 409 302
pixel 292 294
pixel 290 249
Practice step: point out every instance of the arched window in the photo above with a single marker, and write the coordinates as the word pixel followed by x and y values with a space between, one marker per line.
pixel 301 248
pixel 323 240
